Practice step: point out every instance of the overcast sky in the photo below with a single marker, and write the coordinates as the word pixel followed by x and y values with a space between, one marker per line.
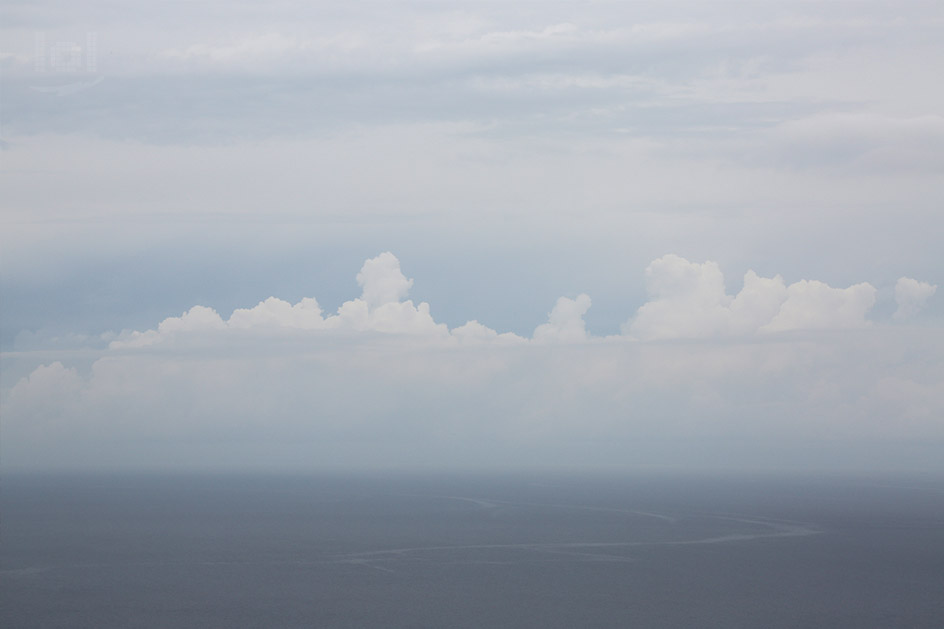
pixel 493 233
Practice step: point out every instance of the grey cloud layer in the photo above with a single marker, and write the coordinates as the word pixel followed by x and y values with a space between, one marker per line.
pixel 525 68
pixel 620 113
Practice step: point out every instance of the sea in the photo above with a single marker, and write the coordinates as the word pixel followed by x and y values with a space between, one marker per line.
pixel 430 549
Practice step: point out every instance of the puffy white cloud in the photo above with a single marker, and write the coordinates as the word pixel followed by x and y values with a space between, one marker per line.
pixel 274 312
pixel 197 319
pixel 382 280
pixel 688 300
pixel 760 299
pixel 392 317
pixel 378 309
pixel 565 322
pixel 813 305
pixel 911 296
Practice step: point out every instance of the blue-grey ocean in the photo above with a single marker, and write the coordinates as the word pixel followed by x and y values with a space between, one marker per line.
pixel 542 550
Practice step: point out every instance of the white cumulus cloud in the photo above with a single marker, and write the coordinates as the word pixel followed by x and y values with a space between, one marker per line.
pixel 274 312
pixel 382 307
pixel 383 281
pixel 565 322
pixel 378 309
pixel 813 305
pixel 688 300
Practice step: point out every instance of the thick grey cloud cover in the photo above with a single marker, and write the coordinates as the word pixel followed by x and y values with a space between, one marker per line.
pixel 637 158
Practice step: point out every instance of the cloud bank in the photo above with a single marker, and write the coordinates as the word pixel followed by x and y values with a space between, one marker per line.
pixel 782 374
pixel 378 309
pixel 687 300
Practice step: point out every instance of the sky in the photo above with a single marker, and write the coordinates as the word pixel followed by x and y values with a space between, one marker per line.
pixel 616 235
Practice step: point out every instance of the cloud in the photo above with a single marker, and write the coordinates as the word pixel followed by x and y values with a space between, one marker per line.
pixel 565 322
pixel 624 130
pixel 382 281
pixel 44 395
pixel 382 307
pixel 276 313
pixel 688 300
pixel 813 305
pixel 378 309
pixel 367 401
pixel 911 296
pixel 382 383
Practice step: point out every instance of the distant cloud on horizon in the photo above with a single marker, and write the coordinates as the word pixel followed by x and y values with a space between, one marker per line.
pixel 687 300
pixel 773 362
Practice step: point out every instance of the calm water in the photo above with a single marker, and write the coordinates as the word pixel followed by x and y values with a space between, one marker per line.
pixel 471 551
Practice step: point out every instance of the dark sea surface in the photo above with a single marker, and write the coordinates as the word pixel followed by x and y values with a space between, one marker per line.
pixel 521 550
